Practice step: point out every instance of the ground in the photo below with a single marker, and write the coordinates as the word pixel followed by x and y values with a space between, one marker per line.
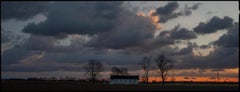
pixel 23 85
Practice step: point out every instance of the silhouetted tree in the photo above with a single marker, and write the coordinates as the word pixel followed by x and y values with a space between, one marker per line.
pixel 93 69
pixel 164 65
pixel 119 71
pixel 52 78
pixel 145 64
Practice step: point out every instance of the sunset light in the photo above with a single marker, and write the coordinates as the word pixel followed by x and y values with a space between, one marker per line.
pixel 120 45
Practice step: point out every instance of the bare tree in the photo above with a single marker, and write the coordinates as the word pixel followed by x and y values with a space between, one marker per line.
pixel 164 65
pixel 119 71
pixel 145 64
pixel 93 69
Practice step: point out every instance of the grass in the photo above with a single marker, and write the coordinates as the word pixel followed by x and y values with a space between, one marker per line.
pixel 23 85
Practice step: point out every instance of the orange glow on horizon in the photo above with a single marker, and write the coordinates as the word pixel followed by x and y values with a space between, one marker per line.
pixel 193 79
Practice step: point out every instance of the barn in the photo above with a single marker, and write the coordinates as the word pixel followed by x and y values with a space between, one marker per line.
pixel 124 79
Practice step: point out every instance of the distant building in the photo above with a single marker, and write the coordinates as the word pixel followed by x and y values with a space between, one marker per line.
pixel 124 79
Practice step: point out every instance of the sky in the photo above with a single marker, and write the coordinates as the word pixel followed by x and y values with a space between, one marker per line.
pixel 57 38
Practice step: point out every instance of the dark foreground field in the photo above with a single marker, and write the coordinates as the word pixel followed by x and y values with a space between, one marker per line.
pixel 23 85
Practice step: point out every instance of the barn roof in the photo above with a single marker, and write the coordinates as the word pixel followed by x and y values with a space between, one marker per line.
pixel 124 77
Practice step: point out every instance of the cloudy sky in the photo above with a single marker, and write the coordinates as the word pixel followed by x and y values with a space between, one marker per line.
pixel 58 38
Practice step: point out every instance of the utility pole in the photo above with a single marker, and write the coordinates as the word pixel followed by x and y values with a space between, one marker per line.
pixel 218 77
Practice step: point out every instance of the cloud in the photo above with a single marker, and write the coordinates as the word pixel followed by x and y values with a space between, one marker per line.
pixel 213 25
pixel 138 39
pixel 10 39
pixel 115 27
pixel 195 6
pixel 42 43
pixel 183 33
pixel 42 66
pixel 78 18
pixel 204 46
pixel 230 39
pixel 5 36
pixel 179 33
pixel 168 11
pixel 22 10
pixel 52 44
pixel 225 54
pixel 116 36
pixel 132 31
pixel 218 59
pixel 186 51
pixel 13 55
pixel 9 36
pixel 164 39
pixel 39 61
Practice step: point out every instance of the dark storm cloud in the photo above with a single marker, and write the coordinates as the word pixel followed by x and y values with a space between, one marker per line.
pixel 21 60
pixel 50 44
pixel 168 9
pixel 109 58
pixel 137 39
pixel 163 40
pixel 78 18
pixel 41 68
pixel 108 23
pixel 204 46
pixel 14 55
pixel 225 54
pixel 120 37
pixel 183 33
pixel 167 12
pixel 179 33
pixel 10 39
pixel 72 61
pixel 22 10
pixel 224 58
pixel 131 31
pixel 186 51
pixel 213 25
pixel 42 43
pixel 6 36
pixel 230 39
pixel 218 59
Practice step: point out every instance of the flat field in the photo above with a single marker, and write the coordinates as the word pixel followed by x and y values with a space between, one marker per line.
pixel 27 85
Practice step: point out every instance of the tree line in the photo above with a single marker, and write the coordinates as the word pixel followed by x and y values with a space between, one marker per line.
pixel 94 67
